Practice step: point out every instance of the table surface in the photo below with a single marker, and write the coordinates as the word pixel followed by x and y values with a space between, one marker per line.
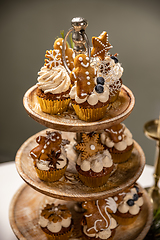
pixel 10 181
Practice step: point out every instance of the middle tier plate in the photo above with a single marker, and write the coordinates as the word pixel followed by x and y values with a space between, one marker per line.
pixel 70 187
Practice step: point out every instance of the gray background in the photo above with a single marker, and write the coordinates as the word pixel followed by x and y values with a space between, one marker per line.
pixel 29 28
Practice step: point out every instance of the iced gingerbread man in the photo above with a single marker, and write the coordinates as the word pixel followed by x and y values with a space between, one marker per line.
pixel 83 76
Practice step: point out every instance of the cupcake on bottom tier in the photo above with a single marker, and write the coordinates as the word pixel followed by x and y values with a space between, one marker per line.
pixel 130 207
pixel 97 222
pixel 56 222
pixel 49 157
pixel 94 165
pixel 118 140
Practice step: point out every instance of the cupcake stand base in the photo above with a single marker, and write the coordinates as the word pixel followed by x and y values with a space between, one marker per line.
pixel 26 204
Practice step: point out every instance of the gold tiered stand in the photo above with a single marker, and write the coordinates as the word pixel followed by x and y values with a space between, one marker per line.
pixel 26 203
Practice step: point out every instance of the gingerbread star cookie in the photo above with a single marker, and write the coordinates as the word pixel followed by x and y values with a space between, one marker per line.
pixel 89 146
pixel 100 46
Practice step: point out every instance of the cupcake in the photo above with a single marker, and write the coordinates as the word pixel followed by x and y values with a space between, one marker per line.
pixel 97 222
pixel 49 157
pixel 90 97
pixel 56 222
pixel 130 207
pixel 107 65
pixel 54 83
pixel 94 164
pixel 118 140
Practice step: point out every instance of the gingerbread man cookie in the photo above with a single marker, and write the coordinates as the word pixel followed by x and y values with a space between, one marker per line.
pixel 83 75
pixel 55 56
pixel 49 145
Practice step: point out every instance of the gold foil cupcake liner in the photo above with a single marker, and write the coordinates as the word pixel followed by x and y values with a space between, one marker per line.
pixel 125 220
pixel 51 175
pixel 90 114
pixel 94 181
pixel 53 106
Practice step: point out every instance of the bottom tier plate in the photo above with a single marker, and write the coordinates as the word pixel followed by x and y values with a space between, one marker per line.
pixel 26 204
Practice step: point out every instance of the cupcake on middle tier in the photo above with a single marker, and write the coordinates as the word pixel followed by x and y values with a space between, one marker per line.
pixel 118 140
pixel 49 157
pixel 94 164
pixel 90 97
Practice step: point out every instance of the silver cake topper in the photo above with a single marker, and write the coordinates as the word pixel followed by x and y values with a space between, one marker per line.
pixel 79 38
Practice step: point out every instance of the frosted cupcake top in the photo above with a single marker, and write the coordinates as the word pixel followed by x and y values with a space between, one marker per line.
pixel 50 152
pixel 117 136
pixel 55 80
pixel 54 218
pixel 131 202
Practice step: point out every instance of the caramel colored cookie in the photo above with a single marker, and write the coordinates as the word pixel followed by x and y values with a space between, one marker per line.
pixel 100 46
pixel 84 76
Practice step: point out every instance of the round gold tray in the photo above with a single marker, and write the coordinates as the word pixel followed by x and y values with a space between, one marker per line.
pixel 70 187
pixel 69 122
pixel 26 204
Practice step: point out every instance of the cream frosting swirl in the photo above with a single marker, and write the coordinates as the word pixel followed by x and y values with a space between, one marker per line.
pixel 96 162
pixel 121 145
pixel 55 80
pixel 93 98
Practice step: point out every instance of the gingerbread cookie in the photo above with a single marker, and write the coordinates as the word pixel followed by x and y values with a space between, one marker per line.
pixel 55 56
pixel 89 146
pixel 100 46
pixel 84 76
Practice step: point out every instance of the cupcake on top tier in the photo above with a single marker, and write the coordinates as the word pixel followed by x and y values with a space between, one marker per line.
pixel 90 97
pixel 130 206
pixel 53 81
pixel 94 164
pixel 118 140
pixel 56 222
pixel 97 222
pixel 107 65
pixel 49 157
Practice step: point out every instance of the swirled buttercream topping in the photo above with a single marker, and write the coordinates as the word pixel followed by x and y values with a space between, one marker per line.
pixel 55 217
pixel 96 162
pixel 131 202
pixel 93 98
pixel 55 80
pixel 123 138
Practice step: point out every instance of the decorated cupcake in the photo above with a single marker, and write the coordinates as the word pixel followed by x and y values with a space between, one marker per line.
pixel 90 97
pixel 54 83
pixel 49 157
pixel 94 164
pixel 56 222
pixel 107 65
pixel 97 223
pixel 130 207
pixel 118 140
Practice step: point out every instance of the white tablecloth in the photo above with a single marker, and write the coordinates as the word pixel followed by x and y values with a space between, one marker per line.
pixel 10 181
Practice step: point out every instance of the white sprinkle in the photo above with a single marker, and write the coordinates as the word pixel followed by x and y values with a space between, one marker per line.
pixel 92 147
pixel 87 73
pixel 88 77
pixel 88 83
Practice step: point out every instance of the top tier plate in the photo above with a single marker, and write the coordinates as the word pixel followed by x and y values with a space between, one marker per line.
pixel 68 121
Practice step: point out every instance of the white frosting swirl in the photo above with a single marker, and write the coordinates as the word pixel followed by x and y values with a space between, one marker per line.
pixel 126 141
pixel 55 80
pixel 96 162
pixel 93 98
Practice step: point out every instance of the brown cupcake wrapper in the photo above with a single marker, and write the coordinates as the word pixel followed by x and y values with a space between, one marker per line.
pixel 119 157
pixel 90 114
pixel 63 236
pixel 53 106
pixel 51 175
pixel 124 220
pixel 93 181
